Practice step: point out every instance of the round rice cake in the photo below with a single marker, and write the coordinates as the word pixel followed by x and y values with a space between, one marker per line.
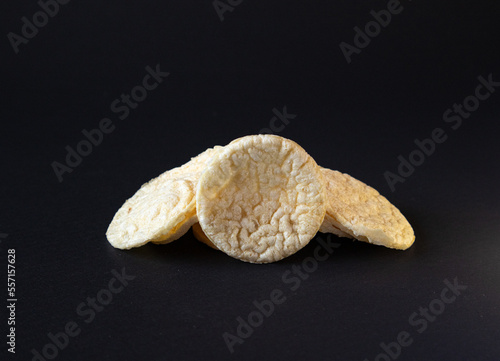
pixel 261 198
pixel 361 212
pixel 162 210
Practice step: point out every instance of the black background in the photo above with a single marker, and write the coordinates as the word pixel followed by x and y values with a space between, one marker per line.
pixel 225 79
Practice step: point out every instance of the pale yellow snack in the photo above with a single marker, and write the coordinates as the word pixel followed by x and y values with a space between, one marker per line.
pixel 201 236
pixel 328 226
pixel 261 198
pixel 162 210
pixel 360 211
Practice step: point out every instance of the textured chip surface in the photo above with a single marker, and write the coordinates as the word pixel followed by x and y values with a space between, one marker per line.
pixel 360 211
pixel 261 198
pixel 201 236
pixel 162 210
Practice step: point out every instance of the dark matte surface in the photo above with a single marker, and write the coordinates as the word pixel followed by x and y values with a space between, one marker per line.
pixel 225 79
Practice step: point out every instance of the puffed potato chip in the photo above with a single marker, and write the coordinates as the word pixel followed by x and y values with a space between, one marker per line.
pixel 360 211
pixel 261 198
pixel 162 210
